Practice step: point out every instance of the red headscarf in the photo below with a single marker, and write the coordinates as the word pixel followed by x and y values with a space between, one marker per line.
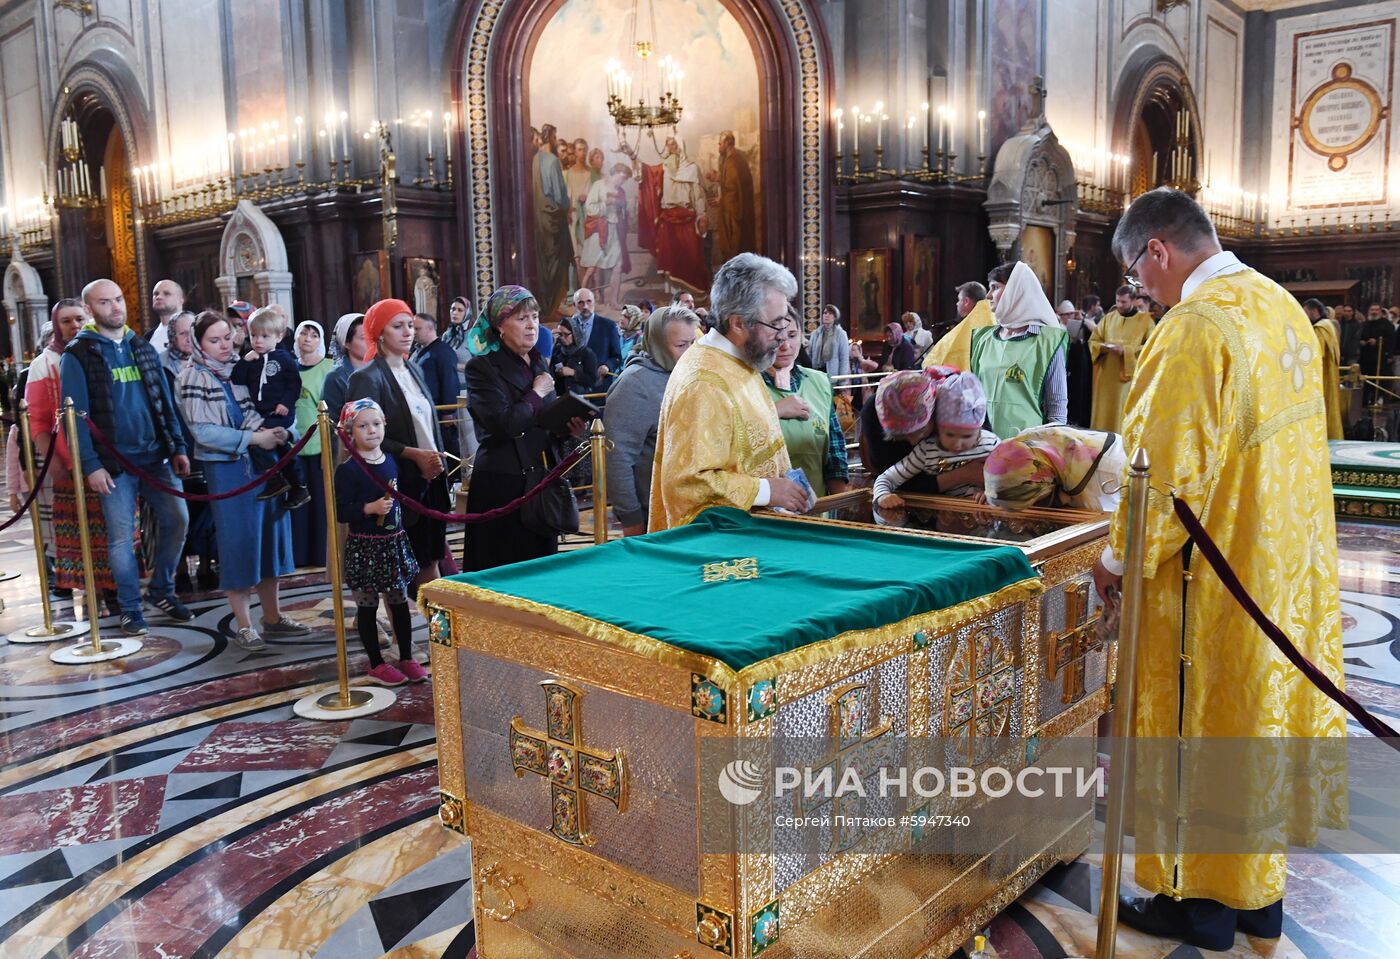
pixel 378 317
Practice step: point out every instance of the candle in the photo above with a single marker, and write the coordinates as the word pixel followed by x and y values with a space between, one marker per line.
pixel 44 176
pixel 301 156
pixel 428 118
pixel 447 135
pixel 345 136
pixel 981 132
pixel 880 119
pixel 855 151
pixel 102 181
pixel 924 107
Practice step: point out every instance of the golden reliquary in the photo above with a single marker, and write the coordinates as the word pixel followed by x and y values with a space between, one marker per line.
pixel 576 746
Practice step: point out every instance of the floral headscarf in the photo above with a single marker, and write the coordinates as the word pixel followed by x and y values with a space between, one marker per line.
pixel 1035 463
pixel 353 409
pixel 904 402
pixel 961 403
pixel 482 338
pixel 631 318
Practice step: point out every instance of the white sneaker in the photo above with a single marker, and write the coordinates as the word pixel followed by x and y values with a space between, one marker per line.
pixel 249 639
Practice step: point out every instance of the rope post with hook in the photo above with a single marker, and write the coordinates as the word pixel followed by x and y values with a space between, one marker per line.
pixel 50 630
pixel 598 441
pixel 344 702
pixel 97 650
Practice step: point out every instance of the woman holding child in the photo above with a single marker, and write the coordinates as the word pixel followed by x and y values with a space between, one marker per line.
pixel 254 535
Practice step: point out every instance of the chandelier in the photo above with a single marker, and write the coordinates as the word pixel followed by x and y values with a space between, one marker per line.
pixel 75 188
pixel 657 87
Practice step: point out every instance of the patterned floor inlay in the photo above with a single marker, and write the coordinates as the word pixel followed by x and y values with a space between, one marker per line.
pixel 171 805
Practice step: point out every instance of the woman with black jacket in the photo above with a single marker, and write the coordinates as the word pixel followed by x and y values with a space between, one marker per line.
pixel 508 384
pixel 411 433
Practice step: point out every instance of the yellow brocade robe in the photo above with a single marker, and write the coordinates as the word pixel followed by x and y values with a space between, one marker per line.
pixel 955 347
pixel 718 436
pixel 1113 373
pixel 1227 402
pixel 1331 345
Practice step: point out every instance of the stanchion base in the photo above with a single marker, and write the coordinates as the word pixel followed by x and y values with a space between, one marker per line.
pixel 365 701
pixel 82 654
pixel 37 634
pixel 6 577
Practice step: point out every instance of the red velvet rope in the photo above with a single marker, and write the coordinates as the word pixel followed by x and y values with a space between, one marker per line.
pixel 147 478
pixel 1317 677
pixel 470 518
pixel 38 484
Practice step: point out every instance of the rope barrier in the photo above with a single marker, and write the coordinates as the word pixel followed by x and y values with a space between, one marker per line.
pixel 33 493
pixel 1317 677
pixel 150 480
pixel 566 464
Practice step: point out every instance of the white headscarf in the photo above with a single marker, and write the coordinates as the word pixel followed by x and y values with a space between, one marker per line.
pixel 321 349
pixel 342 329
pixel 1023 302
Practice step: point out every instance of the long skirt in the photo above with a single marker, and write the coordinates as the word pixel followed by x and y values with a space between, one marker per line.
pixel 254 536
pixel 309 522
pixel 504 540
pixel 67 542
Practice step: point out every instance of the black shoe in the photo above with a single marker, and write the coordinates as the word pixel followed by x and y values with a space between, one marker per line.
pixel 1203 923
pixel 133 624
pixel 297 497
pixel 274 488
pixel 1264 923
pixel 171 607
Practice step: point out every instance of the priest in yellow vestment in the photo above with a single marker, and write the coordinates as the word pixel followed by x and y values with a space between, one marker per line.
pixel 1227 403
pixel 954 348
pixel 719 442
pixel 1113 349
pixel 1330 342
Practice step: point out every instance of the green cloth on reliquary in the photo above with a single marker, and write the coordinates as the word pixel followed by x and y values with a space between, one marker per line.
pixel 815 582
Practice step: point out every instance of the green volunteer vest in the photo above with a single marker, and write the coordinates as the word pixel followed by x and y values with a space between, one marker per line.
pixel 1012 373
pixel 807 440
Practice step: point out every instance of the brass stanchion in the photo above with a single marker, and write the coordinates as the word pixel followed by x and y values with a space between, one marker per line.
pixel 50 630
pixel 599 440
pixel 1124 704
pixel 344 703
pixel 96 651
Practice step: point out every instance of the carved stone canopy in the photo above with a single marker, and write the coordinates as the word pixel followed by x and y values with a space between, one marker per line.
pixel 1033 184
pixel 252 248
pixel 25 302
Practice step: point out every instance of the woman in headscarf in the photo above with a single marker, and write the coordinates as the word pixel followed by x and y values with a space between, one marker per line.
pixel 1057 466
pixel 574 365
pixel 411 433
pixel 634 409
pixel 631 327
pixel 455 335
pixel 899 350
pixel 254 535
pixel 1021 360
pixel 309 525
pixel 807 413
pixel 349 337
pixel 508 384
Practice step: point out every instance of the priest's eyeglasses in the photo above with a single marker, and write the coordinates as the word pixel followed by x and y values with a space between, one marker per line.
pixel 1129 277
pixel 775 327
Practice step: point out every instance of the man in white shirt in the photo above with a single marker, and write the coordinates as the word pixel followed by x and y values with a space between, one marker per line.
pixel 167 299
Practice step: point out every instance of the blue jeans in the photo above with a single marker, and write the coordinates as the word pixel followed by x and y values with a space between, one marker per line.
pixel 172 519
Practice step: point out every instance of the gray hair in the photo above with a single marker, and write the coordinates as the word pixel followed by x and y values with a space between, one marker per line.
pixel 1167 215
pixel 741 286
pixel 45 334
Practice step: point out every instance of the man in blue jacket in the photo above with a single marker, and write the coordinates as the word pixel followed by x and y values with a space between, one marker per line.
pixel 439 364
pixel 115 377
pixel 601 335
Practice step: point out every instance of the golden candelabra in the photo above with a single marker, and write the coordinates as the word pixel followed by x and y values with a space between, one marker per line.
pixel 1096 198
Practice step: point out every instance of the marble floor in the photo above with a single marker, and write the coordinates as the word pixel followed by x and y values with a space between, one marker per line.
pixel 171 805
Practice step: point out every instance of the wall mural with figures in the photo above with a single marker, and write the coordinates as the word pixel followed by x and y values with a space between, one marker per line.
pixel 633 213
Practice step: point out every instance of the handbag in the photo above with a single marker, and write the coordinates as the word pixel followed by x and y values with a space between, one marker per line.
pixel 554 509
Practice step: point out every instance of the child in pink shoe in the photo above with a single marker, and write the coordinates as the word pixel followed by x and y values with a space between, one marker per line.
pixel 378 558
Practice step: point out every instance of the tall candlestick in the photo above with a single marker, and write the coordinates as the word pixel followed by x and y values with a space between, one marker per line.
pixel 428 117
pixel 855 126
pixel 301 156
pixel 345 136
pixel 447 135
pixel 924 107
pixel 102 181
pixel 942 119
pixel 981 132
pixel 879 124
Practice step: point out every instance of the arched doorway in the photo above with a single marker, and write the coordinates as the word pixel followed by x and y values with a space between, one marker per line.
pixel 98 240
pixel 496 38
pixel 1153 100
